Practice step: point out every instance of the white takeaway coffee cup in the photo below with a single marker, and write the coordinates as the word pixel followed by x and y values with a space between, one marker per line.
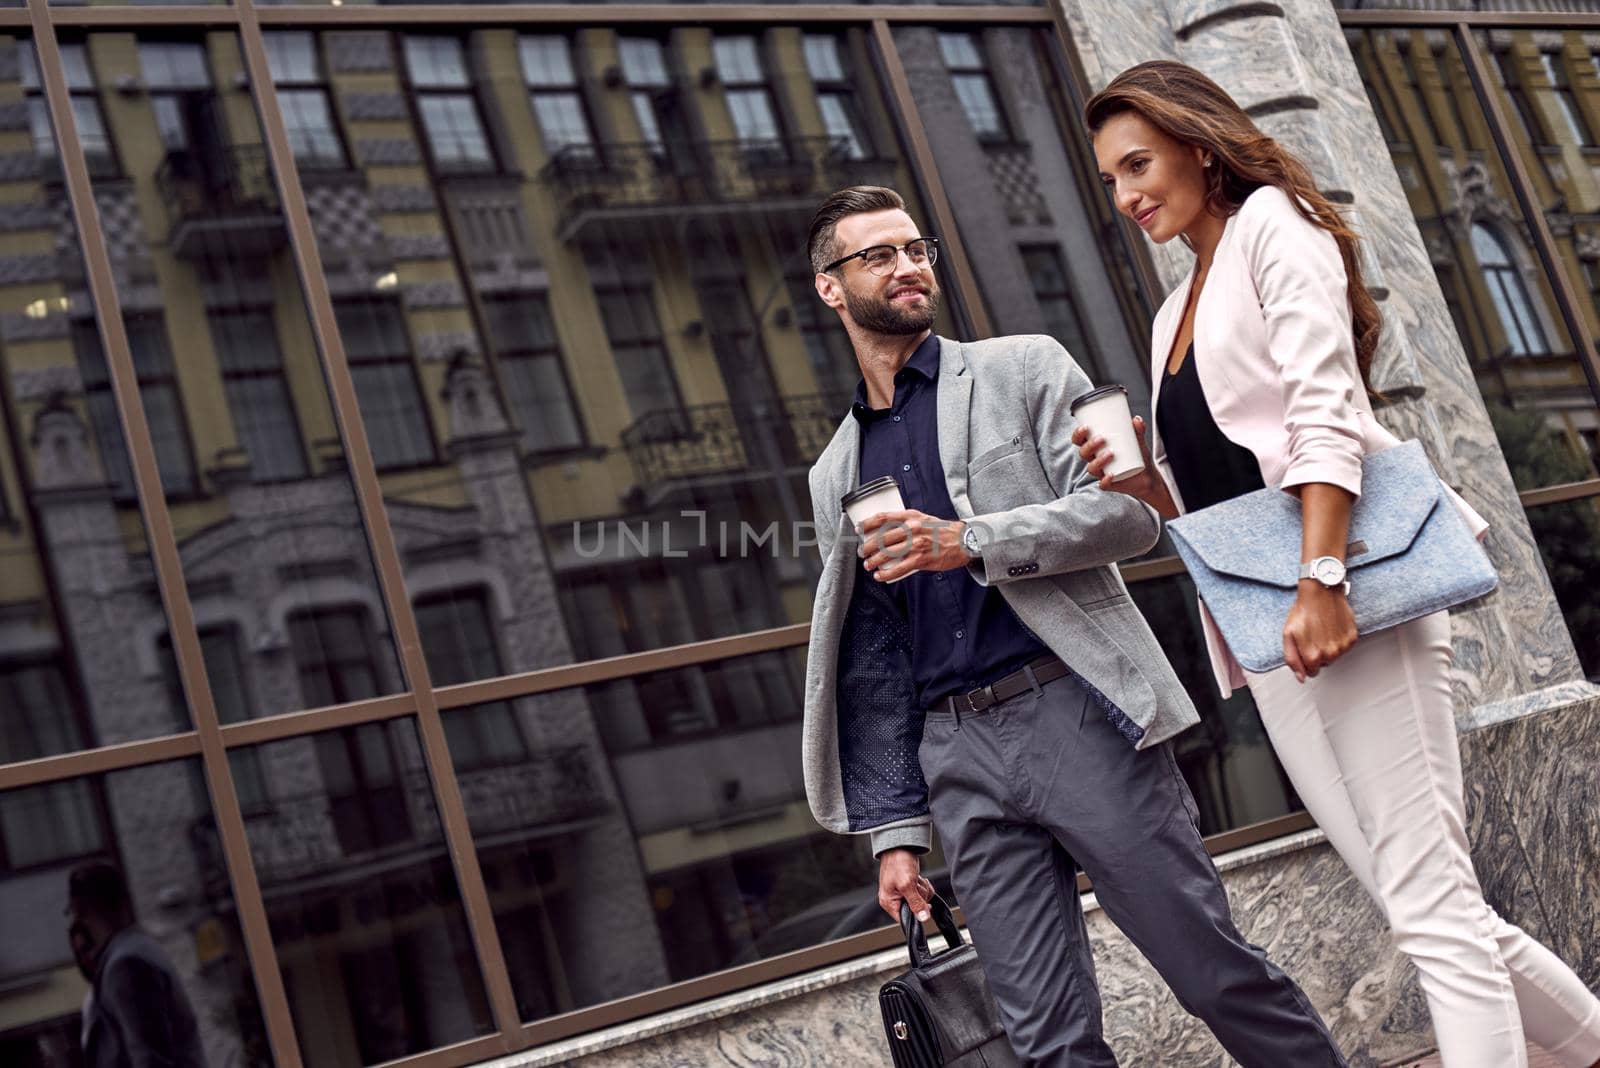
pixel 1105 412
pixel 867 500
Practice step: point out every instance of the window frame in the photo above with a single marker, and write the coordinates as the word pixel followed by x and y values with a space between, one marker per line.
pixel 979 74
pixel 386 310
pixel 589 149
pixel 508 355
pixel 279 373
pixel 419 92
pixel 318 82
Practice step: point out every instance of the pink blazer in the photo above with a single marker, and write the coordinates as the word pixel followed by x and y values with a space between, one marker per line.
pixel 1275 354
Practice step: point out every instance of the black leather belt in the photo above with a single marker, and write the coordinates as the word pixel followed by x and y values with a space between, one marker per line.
pixel 1045 669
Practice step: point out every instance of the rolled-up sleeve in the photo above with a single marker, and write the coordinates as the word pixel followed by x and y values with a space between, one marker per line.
pixel 1300 279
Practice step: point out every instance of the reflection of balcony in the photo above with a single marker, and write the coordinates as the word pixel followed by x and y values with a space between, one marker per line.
pixel 643 183
pixel 716 439
pixel 220 200
pixel 295 839
pixel 555 788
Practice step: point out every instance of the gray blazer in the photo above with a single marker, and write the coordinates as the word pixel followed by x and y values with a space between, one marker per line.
pixel 1049 537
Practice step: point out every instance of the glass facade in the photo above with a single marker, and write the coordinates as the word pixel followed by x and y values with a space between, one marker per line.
pixel 404 493
pixel 1521 287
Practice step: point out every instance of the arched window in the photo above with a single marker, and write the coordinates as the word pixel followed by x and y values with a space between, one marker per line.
pixel 1512 303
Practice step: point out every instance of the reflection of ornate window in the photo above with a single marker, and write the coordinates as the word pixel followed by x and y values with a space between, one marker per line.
pixel 459 643
pixel 258 392
pixel 158 389
pixel 230 692
pixel 385 376
pixel 644 69
pixel 969 73
pixel 333 656
pixel 1053 291
pixel 1556 71
pixel 529 356
pixel 744 81
pixel 828 348
pixel 36 711
pixel 1512 304
pixel 366 793
pixel 303 96
pixel 836 95
pixel 225 673
pixel 1408 63
pixel 85 108
pixel 628 310
pixel 553 87
pixel 437 67
pixel 1505 69
pixel 49 824
pixel 179 81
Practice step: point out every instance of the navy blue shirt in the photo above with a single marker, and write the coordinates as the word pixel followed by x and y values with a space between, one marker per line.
pixel 963 635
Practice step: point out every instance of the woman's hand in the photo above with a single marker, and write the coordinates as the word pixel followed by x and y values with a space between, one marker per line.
pixel 1146 486
pixel 1321 628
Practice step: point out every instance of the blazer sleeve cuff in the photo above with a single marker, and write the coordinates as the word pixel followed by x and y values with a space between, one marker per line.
pixel 1344 472
pixel 1008 550
pixel 917 837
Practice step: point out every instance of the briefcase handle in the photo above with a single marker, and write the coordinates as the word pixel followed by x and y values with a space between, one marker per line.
pixel 917 941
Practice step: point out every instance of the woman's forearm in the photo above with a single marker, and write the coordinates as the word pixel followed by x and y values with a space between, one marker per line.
pixel 1325 520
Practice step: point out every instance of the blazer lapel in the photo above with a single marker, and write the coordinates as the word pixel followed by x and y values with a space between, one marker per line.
pixel 955 400
pixel 844 465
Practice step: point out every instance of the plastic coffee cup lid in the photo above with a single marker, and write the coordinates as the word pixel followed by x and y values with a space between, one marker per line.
pixel 867 490
pixel 1095 394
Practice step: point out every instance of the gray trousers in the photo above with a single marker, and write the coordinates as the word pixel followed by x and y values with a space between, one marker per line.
pixel 1021 790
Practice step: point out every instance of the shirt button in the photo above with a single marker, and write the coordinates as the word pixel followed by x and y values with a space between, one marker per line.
pixel 961 634
pixel 938 578
pixel 897 418
pixel 907 467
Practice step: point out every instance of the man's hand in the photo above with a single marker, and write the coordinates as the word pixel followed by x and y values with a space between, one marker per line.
pixel 900 879
pixel 898 543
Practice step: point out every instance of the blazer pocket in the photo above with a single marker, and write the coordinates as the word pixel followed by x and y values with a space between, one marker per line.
pixel 1100 604
pixel 1010 447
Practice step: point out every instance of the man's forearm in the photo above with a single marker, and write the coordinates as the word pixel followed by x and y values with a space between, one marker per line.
pixel 1073 533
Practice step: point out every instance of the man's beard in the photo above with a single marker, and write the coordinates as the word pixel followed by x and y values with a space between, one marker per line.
pixel 882 316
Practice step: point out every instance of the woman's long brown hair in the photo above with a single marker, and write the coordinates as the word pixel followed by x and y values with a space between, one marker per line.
pixel 1191 108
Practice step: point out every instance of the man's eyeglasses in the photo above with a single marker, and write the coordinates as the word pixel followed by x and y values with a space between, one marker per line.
pixel 881 260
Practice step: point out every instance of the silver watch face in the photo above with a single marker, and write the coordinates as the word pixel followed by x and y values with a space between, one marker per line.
pixel 1327 570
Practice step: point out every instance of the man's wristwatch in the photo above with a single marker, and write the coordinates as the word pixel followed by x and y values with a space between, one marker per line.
pixel 1328 570
pixel 969 541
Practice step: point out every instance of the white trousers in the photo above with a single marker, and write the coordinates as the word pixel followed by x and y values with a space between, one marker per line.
pixel 1370 745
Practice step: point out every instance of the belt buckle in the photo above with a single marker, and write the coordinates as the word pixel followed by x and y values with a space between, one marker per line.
pixel 987 693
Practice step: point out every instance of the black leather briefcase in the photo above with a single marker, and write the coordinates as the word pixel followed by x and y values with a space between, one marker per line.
pixel 941 1012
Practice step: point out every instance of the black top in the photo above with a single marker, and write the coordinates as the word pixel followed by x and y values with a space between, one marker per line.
pixel 1207 467
pixel 963 635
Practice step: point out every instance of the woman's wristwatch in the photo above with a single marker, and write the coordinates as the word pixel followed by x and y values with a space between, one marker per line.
pixel 1327 570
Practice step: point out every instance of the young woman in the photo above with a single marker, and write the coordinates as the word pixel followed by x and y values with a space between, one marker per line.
pixel 1260 362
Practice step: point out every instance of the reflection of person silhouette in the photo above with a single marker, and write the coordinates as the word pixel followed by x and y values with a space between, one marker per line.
pixel 137 1014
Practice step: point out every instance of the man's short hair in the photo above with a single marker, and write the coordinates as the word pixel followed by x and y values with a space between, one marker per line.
pixel 823 246
pixel 98 887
